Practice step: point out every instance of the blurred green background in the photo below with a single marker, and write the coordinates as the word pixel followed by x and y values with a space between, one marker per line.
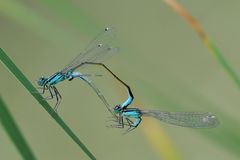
pixel 161 58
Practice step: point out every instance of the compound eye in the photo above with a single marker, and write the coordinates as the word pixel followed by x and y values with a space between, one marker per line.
pixel 117 107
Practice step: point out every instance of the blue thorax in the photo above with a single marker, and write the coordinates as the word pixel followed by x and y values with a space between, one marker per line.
pixel 58 77
pixel 132 113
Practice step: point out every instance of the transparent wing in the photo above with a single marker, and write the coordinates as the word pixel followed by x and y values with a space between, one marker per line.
pixel 98 49
pixel 99 94
pixel 185 119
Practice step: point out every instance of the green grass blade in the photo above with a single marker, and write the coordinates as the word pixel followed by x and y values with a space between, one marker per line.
pixel 14 133
pixel 229 69
pixel 28 85
pixel 205 38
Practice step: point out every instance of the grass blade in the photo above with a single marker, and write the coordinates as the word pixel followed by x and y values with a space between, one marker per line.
pixel 206 40
pixel 28 85
pixel 14 133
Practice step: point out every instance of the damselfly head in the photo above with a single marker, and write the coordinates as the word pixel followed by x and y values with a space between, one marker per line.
pixel 41 81
pixel 117 108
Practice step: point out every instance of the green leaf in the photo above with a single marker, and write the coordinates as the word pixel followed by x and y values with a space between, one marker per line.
pixel 28 85
pixel 14 132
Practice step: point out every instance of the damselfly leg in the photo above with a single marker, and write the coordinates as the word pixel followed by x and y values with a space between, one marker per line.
pixel 51 94
pixel 58 97
pixel 119 123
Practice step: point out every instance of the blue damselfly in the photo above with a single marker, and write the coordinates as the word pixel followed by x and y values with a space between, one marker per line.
pixel 132 117
pixel 97 50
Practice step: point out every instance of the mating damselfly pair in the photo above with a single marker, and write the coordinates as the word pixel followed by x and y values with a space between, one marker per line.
pixel 97 50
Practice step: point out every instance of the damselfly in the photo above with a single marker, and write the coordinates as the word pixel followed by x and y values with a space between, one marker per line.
pixel 97 50
pixel 132 117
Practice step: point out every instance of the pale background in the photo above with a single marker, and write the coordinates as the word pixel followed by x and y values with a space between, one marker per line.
pixel 161 58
